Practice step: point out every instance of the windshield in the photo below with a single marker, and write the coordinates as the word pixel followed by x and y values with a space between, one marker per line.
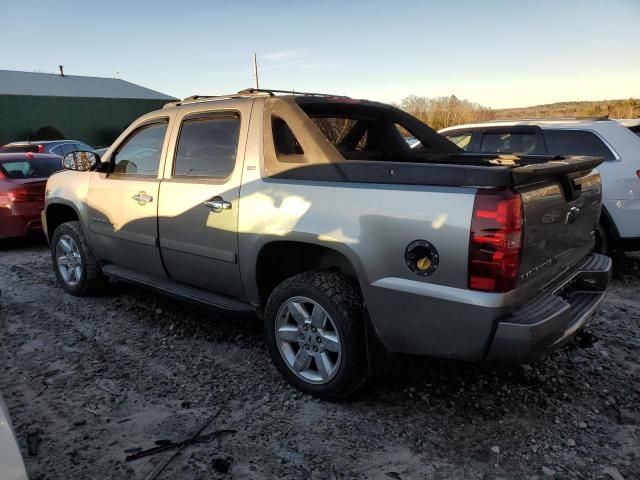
pixel 34 168
pixel 635 130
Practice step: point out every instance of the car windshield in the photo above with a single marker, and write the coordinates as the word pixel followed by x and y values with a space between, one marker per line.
pixel 34 168
pixel 20 148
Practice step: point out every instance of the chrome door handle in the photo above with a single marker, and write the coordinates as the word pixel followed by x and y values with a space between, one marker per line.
pixel 217 204
pixel 142 198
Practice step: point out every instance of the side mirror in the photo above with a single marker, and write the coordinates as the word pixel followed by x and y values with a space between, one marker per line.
pixel 81 161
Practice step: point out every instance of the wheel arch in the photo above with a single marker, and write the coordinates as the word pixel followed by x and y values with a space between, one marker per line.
pixel 57 213
pixel 278 260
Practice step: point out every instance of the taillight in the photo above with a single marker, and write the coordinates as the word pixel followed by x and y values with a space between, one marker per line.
pixel 496 240
pixel 21 195
pixel 638 173
pixel 40 148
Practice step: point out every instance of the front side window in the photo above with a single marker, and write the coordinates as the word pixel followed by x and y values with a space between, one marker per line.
pixel 140 154
pixel 576 142
pixel 462 140
pixel 510 142
pixel 207 146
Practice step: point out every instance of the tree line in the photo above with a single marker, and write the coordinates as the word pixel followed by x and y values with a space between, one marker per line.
pixel 442 112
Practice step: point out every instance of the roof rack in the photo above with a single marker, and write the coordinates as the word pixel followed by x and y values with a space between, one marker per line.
pixel 248 92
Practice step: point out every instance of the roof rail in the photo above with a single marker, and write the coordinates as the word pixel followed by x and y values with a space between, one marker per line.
pixel 209 98
pixel 248 92
pixel 289 92
pixel 542 119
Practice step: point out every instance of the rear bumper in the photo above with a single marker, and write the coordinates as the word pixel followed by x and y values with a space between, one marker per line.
pixel 12 226
pixel 554 316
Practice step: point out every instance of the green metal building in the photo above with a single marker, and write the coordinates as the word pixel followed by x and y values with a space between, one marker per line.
pixel 89 109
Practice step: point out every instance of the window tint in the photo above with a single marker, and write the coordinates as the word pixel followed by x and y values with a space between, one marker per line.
pixel 285 141
pixel 207 146
pixel 461 139
pixel 34 168
pixel 140 155
pixel 84 147
pixel 576 142
pixel 68 148
pixel 510 142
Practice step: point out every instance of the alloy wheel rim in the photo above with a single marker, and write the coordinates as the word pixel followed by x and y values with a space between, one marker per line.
pixel 69 260
pixel 308 340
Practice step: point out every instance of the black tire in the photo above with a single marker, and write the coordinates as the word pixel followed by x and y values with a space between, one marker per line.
pixel 342 300
pixel 91 278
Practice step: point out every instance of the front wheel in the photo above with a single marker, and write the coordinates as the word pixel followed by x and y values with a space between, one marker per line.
pixel 315 335
pixel 75 267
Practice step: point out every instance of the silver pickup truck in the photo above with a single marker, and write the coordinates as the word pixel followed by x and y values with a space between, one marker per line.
pixel 313 212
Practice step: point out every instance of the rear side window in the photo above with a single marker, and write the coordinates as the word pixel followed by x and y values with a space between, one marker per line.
pixel 576 142
pixel 462 140
pixel 140 154
pixel 510 142
pixel 207 146
pixel 285 141
pixel 65 149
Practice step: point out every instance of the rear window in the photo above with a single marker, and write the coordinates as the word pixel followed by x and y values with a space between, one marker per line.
pixel 19 148
pixel 576 142
pixel 510 142
pixel 35 168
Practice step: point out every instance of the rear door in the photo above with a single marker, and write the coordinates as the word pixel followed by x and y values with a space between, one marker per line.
pixel 123 202
pixel 198 208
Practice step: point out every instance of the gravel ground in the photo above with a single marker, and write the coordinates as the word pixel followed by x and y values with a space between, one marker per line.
pixel 89 381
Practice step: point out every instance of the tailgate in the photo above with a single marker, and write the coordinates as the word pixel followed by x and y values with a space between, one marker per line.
pixel 560 219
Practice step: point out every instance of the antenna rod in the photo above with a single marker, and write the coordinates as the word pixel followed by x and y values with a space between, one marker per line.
pixel 255 70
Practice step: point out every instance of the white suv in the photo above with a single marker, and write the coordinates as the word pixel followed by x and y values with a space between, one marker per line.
pixel 618 141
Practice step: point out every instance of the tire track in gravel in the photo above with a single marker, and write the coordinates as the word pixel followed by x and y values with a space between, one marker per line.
pixel 63 356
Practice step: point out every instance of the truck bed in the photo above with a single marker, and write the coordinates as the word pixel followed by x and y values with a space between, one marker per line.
pixel 459 170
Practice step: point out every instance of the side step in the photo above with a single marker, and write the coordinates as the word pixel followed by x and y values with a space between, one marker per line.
pixel 178 290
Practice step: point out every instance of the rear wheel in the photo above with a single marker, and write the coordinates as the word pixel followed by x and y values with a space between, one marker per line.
pixel 76 269
pixel 603 240
pixel 315 335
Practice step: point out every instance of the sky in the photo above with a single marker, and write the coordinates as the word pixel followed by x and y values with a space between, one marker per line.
pixel 497 53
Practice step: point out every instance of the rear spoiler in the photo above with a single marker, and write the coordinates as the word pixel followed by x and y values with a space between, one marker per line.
pixel 458 170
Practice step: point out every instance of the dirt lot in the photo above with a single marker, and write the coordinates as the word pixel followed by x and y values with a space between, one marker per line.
pixel 88 381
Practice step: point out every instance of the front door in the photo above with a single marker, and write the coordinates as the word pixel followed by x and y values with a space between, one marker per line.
pixel 123 203
pixel 198 208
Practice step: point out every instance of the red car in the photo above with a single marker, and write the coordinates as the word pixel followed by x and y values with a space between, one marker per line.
pixel 23 178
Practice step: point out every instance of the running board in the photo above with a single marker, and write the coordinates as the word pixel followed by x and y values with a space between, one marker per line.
pixel 178 290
